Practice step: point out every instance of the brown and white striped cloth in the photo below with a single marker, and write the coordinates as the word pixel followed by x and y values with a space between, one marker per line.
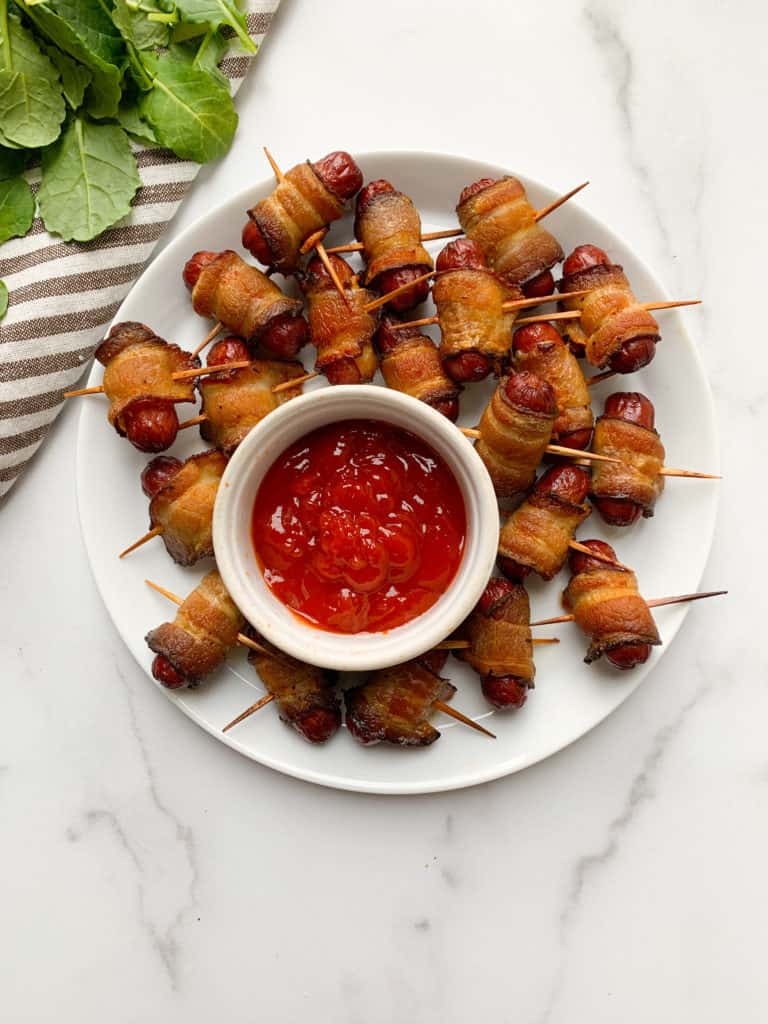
pixel 62 294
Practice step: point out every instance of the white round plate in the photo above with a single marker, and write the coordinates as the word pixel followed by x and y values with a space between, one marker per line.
pixel 668 552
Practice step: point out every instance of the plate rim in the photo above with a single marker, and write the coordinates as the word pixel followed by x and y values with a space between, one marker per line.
pixel 456 780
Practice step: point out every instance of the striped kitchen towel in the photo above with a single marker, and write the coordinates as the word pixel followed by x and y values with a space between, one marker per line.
pixel 62 294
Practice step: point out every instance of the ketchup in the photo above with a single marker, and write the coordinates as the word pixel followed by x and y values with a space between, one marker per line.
pixel 359 526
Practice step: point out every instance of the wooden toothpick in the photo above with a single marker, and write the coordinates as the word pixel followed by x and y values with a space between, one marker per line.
pixel 247 642
pixel 382 300
pixel 196 371
pixel 656 602
pixel 241 637
pixel 216 329
pixel 546 210
pixel 553 449
pixel 574 544
pixel 203 371
pixel 154 532
pixel 429 236
pixel 440 705
pixel 318 245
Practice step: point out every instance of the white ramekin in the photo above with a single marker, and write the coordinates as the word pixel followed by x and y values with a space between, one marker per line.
pixel 239 568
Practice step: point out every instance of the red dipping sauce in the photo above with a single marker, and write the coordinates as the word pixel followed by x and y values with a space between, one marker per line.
pixel 359 526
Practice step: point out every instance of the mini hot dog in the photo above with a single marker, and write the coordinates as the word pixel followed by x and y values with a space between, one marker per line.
pixel 475 332
pixel 305 695
pixel 226 288
pixel 389 227
pixel 198 640
pixel 608 607
pixel 540 349
pixel 182 496
pixel 536 536
pixel 410 363
pixel 614 330
pixel 138 381
pixel 394 705
pixel 499 218
pixel 501 647
pixel 309 198
pixel 623 491
pixel 340 328
pixel 515 429
pixel 234 401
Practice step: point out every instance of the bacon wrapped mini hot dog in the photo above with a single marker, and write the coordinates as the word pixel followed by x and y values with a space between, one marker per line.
pixel 515 430
pixel 389 227
pixel 182 496
pixel 608 607
pixel 198 640
pixel 309 198
pixel 226 288
pixel 498 216
pixel 540 349
pixel 475 332
pixel 234 401
pixel 395 704
pixel 305 695
pixel 536 536
pixel 340 328
pixel 138 381
pixel 501 647
pixel 614 329
pixel 623 491
pixel 410 363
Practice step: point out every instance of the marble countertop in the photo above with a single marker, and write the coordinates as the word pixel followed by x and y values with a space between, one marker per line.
pixel 149 873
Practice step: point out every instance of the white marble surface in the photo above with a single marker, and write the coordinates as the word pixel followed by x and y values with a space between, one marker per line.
pixel 148 873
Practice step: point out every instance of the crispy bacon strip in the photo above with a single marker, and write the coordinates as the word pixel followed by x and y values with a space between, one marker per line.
pixel 608 607
pixel 637 478
pixel 538 532
pixel 470 314
pixel 552 360
pixel 305 695
pixel 390 229
pixel 394 705
pixel 340 328
pixel 410 363
pixel 503 223
pixel 138 364
pixel 499 634
pixel 236 400
pixel 299 206
pixel 512 440
pixel 184 508
pixel 232 291
pixel 205 629
pixel 610 313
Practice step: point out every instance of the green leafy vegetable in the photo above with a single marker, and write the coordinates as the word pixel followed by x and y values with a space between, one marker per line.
pixel 191 113
pixel 205 53
pixel 129 117
pixel 31 104
pixel 84 30
pixel 74 77
pixel 17 208
pixel 3 299
pixel 89 180
pixel 217 13
pixel 135 26
pixel 144 69
pixel 12 162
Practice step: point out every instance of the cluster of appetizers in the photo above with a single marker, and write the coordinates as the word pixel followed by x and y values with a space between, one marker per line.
pixel 502 264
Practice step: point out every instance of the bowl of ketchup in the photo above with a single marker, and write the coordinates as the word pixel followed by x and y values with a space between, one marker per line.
pixel 355 527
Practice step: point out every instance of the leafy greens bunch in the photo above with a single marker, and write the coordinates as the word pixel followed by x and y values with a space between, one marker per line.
pixel 78 77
